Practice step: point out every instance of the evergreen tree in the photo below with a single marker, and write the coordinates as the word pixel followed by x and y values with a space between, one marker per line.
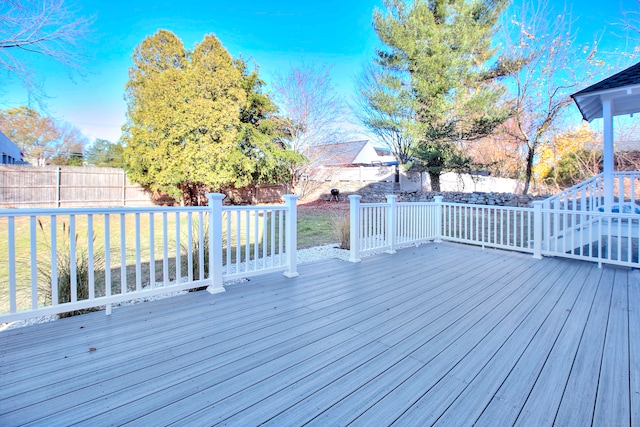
pixel 196 120
pixel 262 134
pixel 103 153
pixel 439 50
pixel 386 108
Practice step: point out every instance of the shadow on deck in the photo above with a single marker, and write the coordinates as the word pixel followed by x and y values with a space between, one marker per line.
pixel 440 334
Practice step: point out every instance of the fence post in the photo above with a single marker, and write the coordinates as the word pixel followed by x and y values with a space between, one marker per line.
pixel 537 229
pixel 438 222
pixel 391 223
pixel 124 188
pixel 291 235
pixel 215 242
pixel 354 228
pixel 58 185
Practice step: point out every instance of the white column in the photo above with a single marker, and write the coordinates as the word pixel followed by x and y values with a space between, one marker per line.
pixel 291 236
pixel 391 223
pixel 607 157
pixel 354 228
pixel 438 220
pixel 537 229
pixel 215 242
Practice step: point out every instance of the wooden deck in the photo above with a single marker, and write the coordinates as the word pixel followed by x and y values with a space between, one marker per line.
pixel 441 334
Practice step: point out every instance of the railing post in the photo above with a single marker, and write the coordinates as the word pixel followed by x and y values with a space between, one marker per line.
pixel 391 223
pixel 291 235
pixel 354 228
pixel 537 229
pixel 439 212
pixel 215 242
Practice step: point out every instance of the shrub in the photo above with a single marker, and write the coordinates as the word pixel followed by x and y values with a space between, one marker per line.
pixel 342 229
pixel 63 264
pixel 195 250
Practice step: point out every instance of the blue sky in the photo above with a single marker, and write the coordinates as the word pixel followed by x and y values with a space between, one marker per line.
pixel 275 34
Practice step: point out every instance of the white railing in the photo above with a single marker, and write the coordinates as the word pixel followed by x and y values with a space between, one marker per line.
pixel 65 260
pixel 377 227
pixel 567 220
pixel 585 196
pixel 589 195
pixel 503 227
pixel 594 236
pixel 610 238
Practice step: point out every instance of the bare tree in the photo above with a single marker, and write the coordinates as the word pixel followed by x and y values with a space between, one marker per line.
pixel 310 104
pixel 545 65
pixel 43 140
pixel 311 109
pixel 631 23
pixel 498 153
pixel 47 28
pixel 383 105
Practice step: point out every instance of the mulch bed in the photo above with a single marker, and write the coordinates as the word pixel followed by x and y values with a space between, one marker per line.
pixel 325 205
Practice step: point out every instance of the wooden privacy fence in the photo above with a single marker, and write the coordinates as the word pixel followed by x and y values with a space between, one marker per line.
pixel 68 186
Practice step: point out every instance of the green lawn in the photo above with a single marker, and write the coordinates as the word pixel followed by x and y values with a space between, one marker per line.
pixel 315 227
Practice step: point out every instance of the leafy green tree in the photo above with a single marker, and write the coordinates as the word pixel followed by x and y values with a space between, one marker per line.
pixel 435 158
pixel 197 120
pixel 439 51
pixel 262 135
pixel 575 167
pixel 103 153
pixel 152 135
pixel 43 140
pixel 182 116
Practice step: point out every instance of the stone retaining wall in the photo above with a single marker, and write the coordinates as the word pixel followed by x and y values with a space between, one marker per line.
pixel 376 193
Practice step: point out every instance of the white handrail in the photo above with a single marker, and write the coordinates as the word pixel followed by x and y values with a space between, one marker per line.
pixel 594 236
pixel 61 260
pixel 589 195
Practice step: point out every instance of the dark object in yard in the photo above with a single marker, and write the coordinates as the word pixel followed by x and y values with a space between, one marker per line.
pixel 335 194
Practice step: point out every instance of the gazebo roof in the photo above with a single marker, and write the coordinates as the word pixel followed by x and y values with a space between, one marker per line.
pixel 622 88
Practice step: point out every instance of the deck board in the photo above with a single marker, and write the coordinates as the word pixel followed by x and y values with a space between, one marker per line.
pixel 578 400
pixel 634 346
pixel 525 358
pixel 498 351
pixel 545 394
pixel 441 333
pixel 612 405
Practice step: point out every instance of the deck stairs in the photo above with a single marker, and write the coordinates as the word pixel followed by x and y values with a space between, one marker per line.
pixel 575 220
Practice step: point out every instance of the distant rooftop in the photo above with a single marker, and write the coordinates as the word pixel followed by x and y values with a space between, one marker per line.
pixel 342 153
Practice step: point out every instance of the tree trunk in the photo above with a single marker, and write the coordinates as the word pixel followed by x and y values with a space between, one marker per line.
pixel 435 181
pixel 529 170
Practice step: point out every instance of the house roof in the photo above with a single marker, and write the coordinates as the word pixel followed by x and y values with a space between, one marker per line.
pixel 622 88
pixel 343 153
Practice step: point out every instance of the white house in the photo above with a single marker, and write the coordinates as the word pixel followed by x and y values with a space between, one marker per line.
pixel 348 154
pixel 11 154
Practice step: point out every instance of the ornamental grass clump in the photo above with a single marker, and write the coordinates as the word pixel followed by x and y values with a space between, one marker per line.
pixel 195 250
pixel 64 272
pixel 342 229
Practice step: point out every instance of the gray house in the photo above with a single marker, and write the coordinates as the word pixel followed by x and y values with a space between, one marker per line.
pixel 11 154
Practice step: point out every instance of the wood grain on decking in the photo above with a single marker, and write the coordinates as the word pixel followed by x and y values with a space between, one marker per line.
pixel 440 334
